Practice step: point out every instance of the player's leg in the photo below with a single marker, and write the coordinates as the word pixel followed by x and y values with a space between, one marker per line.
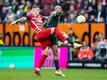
pixel 47 32
pixel 45 48
pixel 41 61
pixel 54 47
pixel 64 37
pixel 43 35
pixel 55 56
pixel 56 60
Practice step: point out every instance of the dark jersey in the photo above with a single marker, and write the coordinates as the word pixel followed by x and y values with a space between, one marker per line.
pixel 54 21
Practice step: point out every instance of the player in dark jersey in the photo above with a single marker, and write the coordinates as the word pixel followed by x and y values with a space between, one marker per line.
pixel 42 34
pixel 55 18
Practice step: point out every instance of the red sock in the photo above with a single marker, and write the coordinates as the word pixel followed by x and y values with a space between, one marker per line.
pixel 60 35
pixel 42 60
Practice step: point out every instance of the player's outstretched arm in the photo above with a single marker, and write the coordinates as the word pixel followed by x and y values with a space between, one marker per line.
pixel 19 20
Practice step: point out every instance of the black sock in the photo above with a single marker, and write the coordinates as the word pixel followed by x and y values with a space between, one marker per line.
pixel 70 41
pixel 56 62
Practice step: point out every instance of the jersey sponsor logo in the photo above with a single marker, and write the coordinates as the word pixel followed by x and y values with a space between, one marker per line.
pixel 37 19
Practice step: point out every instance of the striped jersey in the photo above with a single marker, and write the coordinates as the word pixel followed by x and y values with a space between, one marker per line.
pixel 35 22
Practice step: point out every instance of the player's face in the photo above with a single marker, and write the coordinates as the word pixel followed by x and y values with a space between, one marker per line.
pixel 58 9
pixel 36 11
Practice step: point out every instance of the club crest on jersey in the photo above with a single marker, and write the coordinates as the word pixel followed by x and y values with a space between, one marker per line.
pixel 39 20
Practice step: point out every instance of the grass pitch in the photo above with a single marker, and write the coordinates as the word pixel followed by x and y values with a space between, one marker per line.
pixel 48 74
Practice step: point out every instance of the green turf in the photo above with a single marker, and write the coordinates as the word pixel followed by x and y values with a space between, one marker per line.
pixel 47 74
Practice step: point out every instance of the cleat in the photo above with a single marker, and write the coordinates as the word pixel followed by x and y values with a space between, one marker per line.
pixel 67 44
pixel 37 71
pixel 76 45
pixel 59 73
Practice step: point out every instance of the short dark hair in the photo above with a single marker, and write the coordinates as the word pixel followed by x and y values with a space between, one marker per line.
pixel 35 6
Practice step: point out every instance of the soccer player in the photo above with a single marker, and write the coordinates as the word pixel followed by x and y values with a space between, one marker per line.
pixel 55 18
pixel 42 34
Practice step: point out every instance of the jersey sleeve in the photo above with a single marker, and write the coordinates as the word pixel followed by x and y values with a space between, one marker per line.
pixel 30 15
pixel 41 16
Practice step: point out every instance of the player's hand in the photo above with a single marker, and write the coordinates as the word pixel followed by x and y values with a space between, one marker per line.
pixel 12 23
pixel 53 13
pixel 23 18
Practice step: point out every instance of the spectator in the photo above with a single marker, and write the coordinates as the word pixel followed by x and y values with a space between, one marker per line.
pixel 73 36
pixel 10 16
pixel 82 11
pixel 87 17
pixel 92 19
pixel 22 3
pixel 85 5
pixel 66 7
pixel 101 50
pixel 72 9
pixel 71 18
pixel 27 6
pixel 94 4
pixel 100 37
pixel 15 5
pixel 96 9
pixel 99 13
pixel 37 2
pixel 90 11
pixel 79 5
pixel 20 12
pixel 85 53
pixel 1 13
pixel 1 39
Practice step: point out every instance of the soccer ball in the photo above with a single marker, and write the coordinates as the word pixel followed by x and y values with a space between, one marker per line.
pixel 11 66
pixel 81 19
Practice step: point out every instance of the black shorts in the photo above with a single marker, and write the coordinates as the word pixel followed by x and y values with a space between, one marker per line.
pixel 53 39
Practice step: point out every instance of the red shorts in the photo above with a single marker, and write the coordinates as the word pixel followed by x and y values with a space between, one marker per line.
pixel 45 44
pixel 43 35
pixel 43 38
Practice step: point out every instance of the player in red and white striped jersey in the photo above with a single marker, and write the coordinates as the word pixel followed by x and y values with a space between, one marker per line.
pixel 42 34
pixel 35 21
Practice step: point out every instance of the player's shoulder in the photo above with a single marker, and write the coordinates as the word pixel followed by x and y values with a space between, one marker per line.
pixel 40 16
pixel 29 13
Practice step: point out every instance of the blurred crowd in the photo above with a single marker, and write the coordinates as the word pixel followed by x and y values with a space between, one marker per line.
pixel 93 10
pixel 96 51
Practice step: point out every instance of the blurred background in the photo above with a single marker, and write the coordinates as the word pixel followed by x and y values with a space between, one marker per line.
pixel 19 43
pixel 21 52
pixel 93 10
